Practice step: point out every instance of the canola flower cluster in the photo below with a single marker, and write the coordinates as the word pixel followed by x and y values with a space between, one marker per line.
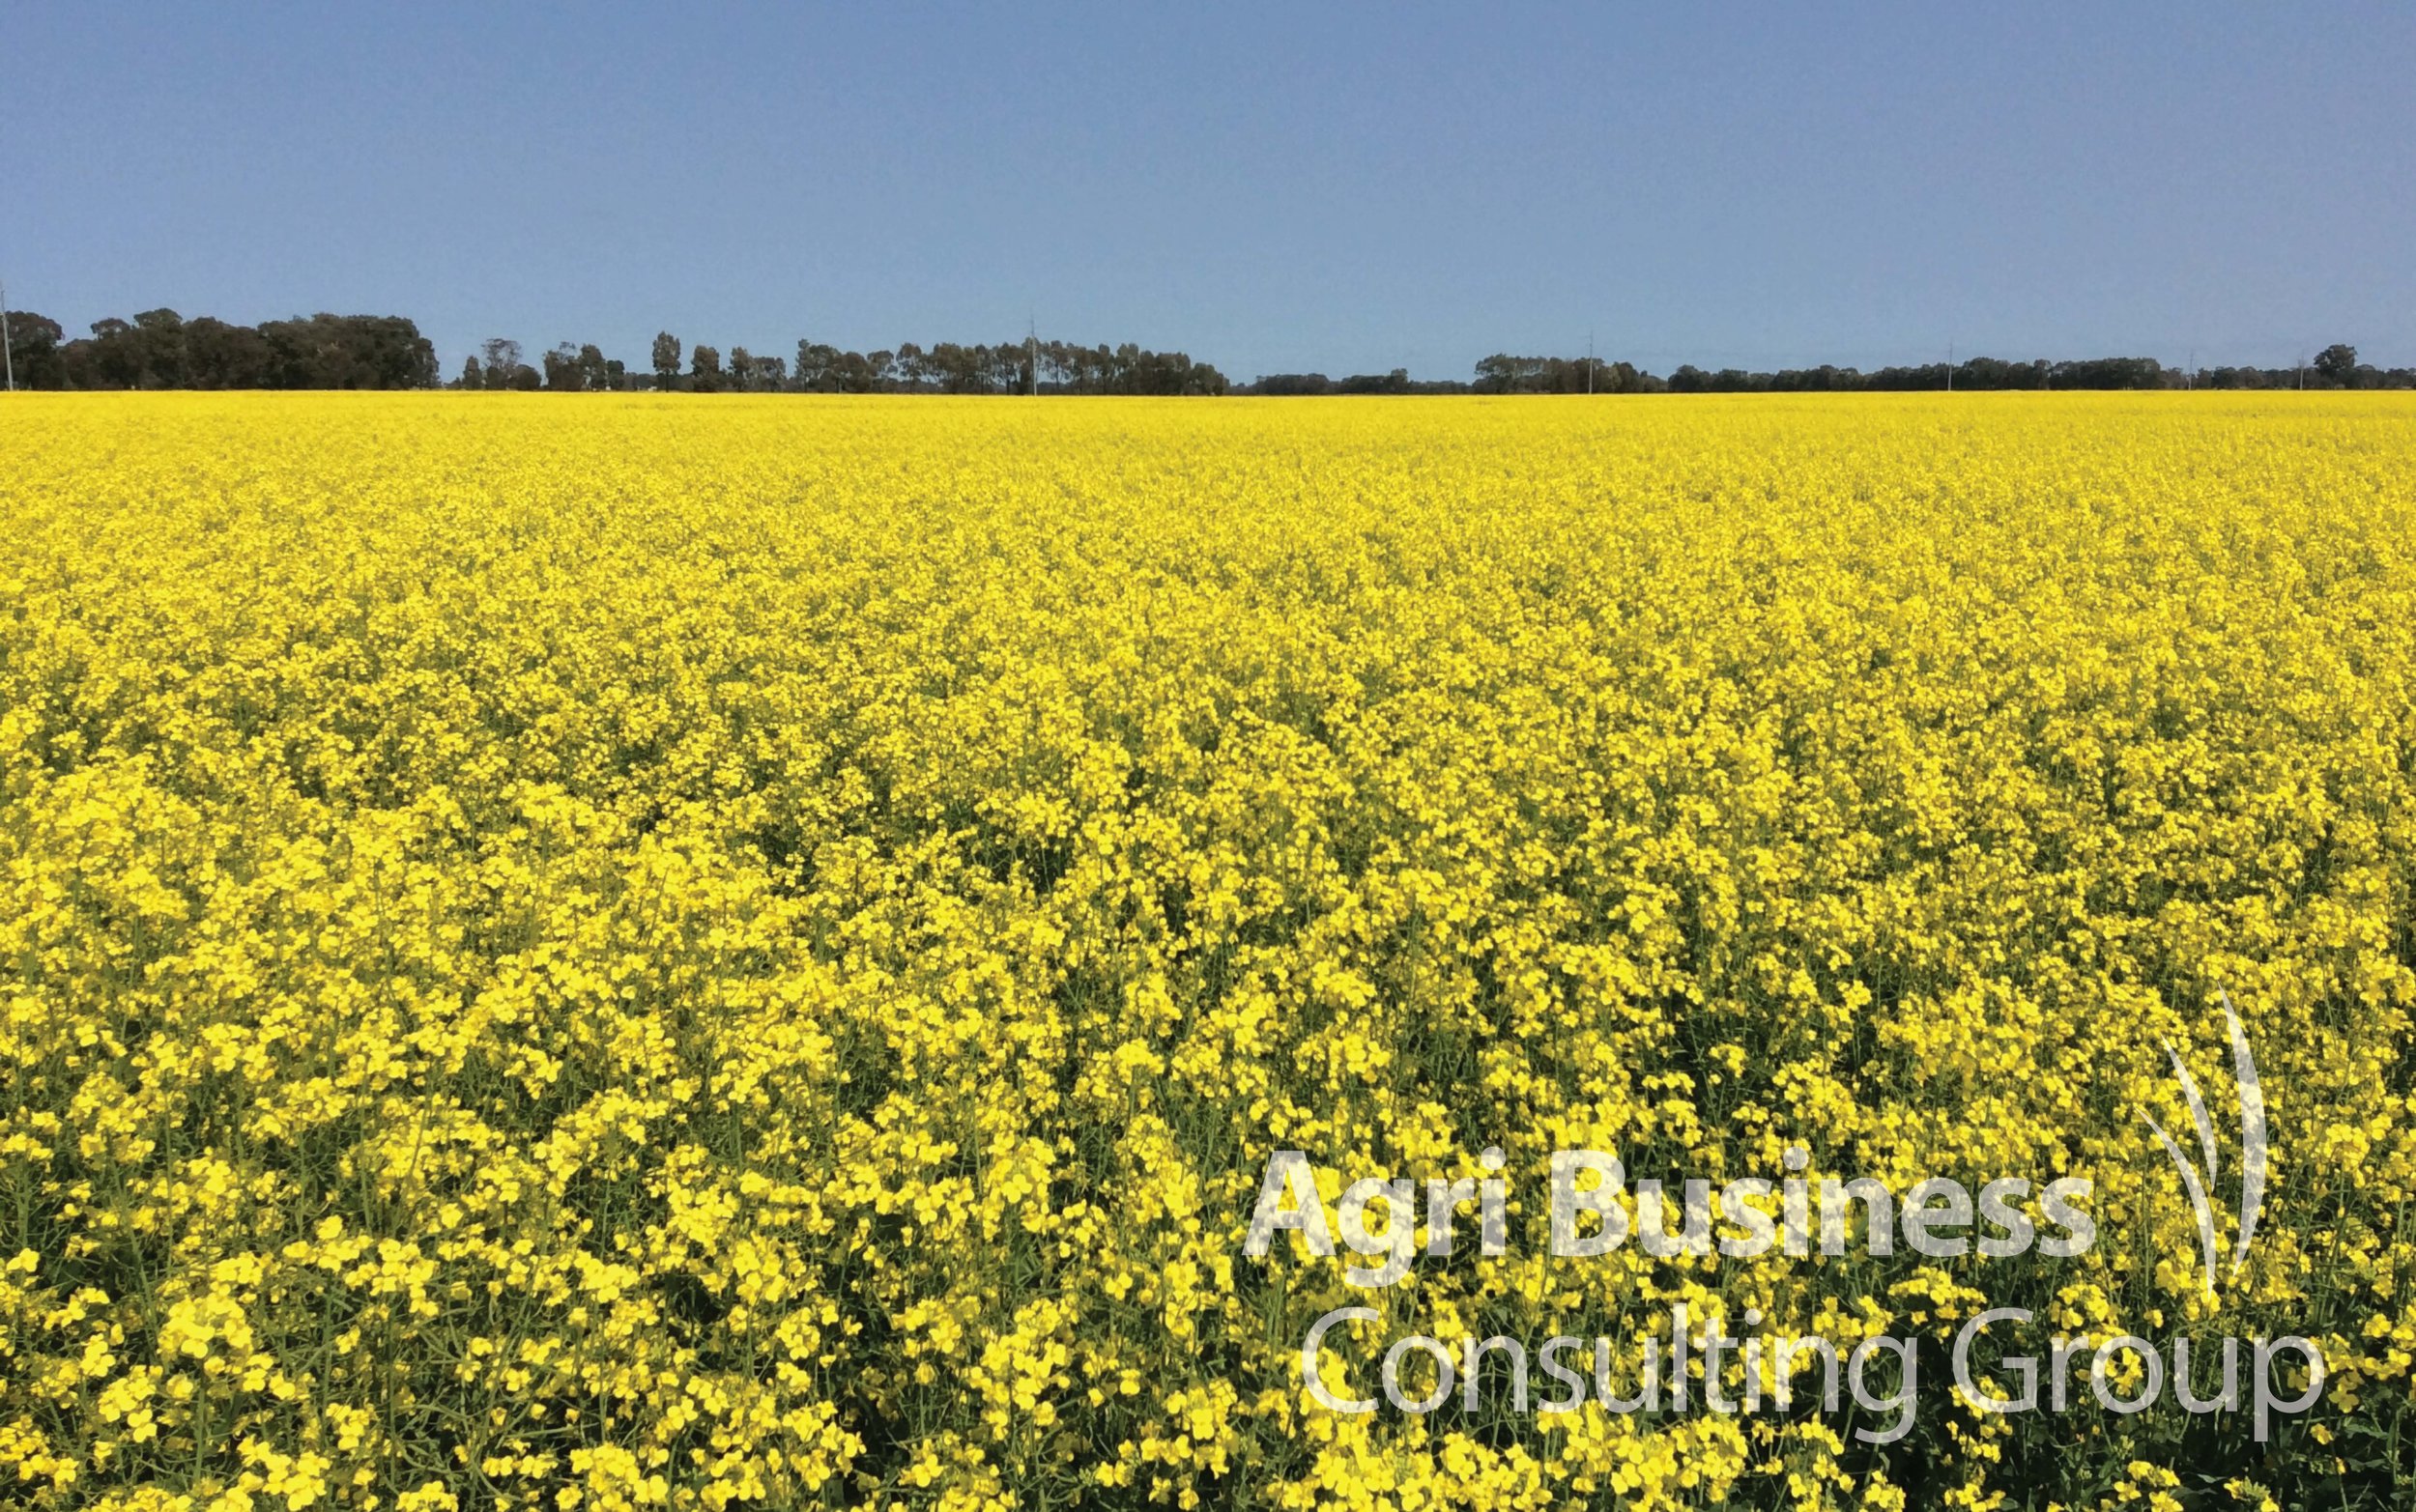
pixel 650 953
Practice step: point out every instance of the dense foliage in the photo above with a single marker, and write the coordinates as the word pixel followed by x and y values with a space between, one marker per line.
pixel 161 348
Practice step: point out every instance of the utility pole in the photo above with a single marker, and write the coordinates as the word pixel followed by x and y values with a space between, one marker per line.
pixel 1951 367
pixel 1589 360
pixel 1031 353
pixel 8 348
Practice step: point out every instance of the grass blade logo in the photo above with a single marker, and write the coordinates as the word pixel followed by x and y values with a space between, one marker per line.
pixel 2252 1098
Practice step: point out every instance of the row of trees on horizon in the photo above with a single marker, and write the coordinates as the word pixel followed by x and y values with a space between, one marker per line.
pixel 161 348
pixel 949 368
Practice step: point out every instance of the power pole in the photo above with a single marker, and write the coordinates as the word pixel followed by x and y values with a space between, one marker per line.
pixel 1951 367
pixel 8 348
pixel 1031 353
pixel 1589 360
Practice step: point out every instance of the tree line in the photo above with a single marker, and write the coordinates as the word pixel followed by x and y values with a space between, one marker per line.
pixel 1026 366
pixel 161 348
pixel 1396 382
pixel 2335 367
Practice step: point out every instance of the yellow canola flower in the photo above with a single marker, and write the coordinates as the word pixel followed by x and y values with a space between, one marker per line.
pixel 652 952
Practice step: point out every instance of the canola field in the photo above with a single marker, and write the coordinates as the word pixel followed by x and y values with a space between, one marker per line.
pixel 610 953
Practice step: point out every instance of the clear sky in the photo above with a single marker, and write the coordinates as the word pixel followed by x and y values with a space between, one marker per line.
pixel 1269 188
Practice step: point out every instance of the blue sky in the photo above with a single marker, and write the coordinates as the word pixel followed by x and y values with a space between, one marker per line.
pixel 1269 188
